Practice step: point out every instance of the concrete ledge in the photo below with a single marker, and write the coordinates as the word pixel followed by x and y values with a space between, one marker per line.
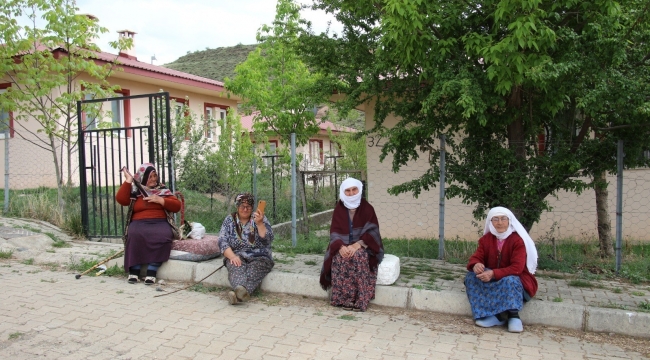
pixel 618 321
pixel 220 278
pixel 568 316
pixel 290 283
pixel 438 301
pixel 392 296
pixel 177 270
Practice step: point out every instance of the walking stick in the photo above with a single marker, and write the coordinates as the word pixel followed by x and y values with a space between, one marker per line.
pixel 188 286
pixel 100 263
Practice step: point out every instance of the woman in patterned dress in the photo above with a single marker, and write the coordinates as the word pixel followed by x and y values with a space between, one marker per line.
pixel 500 277
pixel 245 241
pixel 354 252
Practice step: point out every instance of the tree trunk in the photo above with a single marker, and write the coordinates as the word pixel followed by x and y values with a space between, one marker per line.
pixel 604 224
pixel 59 180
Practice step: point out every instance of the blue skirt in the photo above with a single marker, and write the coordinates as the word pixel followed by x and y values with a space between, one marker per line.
pixel 494 297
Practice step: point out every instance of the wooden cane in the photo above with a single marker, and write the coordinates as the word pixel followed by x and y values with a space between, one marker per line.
pixel 190 285
pixel 100 263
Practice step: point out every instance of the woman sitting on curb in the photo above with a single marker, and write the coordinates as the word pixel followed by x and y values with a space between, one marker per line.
pixel 245 242
pixel 501 272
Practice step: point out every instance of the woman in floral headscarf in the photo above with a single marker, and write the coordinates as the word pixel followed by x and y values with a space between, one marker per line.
pixel 500 276
pixel 354 252
pixel 149 230
pixel 245 241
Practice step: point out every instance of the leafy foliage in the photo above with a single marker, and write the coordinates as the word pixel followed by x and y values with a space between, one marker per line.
pixel 43 66
pixel 275 84
pixel 494 75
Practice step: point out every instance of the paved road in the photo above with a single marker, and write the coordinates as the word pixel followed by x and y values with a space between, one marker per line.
pixel 50 315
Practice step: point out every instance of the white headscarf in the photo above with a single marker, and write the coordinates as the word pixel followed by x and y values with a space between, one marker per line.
pixel 351 202
pixel 515 226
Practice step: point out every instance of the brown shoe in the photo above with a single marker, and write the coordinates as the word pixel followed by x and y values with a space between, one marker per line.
pixel 232 299
pixel 242 294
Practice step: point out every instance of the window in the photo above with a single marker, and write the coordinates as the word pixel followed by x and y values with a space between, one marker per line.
pixel 316 152
pixel 214 115
pixel 273 150
pixel 334 148
pixel 6 117
pixel 119 115
pixel 177 112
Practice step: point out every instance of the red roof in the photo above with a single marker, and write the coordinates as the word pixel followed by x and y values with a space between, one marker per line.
pixel 247 123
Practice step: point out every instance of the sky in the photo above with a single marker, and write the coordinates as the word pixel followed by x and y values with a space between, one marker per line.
pixel 169 29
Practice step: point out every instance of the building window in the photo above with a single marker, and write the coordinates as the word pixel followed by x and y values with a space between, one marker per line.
pixel 214 116
pixel 178 114
pixel 316 152
pixel 334 148
pixel 272 151
pixel 6 117
pixel 120 112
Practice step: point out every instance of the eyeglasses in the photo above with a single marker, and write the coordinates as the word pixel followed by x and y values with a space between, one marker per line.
pixel 245 207
pixel 497 219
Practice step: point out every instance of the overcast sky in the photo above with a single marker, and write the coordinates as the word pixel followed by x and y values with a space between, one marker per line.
pixel 171 28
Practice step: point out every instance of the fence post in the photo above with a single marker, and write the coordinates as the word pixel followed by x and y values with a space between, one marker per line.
pixel 6 131
pixel 293 189
pixel 619 203
pixel 254 174
pixel 441 205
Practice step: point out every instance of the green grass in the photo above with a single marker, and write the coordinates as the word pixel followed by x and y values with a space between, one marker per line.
pixel 205 289
pixel 15 335
pixel 48 281
pixel 617 290
pixel 581 283
pixel 310 262
pixel 284 261
pixel 448 277
pixel 645 305
pixel 348 317
pixel 29 261
pixel 557 299
pixel 637 293
pixel 6 254
pixel 114 271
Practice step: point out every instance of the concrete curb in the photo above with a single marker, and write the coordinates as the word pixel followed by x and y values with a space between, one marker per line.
pixel 570 316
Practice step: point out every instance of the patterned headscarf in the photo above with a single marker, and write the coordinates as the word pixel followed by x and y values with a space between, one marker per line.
pixel 142 175
pixel 244 198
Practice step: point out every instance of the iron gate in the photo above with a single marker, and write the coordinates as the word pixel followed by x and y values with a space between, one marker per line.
pixel 104 151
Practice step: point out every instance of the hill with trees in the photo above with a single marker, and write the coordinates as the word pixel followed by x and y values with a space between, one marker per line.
pixel 216 64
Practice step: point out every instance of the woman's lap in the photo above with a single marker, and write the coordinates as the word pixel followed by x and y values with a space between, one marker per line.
pixel 353 284
pixel 149 240
pixel 494 297
pixel 251 272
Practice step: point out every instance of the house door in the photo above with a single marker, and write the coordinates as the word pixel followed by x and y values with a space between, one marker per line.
pixel 109 141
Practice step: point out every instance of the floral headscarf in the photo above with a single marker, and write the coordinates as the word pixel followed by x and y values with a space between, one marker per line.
pixel 244 198
pixel 141 176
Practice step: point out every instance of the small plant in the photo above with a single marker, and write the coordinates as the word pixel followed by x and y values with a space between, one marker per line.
pixel 103 281
pixel 556 276
pixel 581 283
pixel 6 254
pixel 612 305
pixel 29 261
pixel 310 262
pixel 318 313
pixel 557 299
pixel 284 261
pixel 419 287
pixel 447 277
pixel 348 317
pixel 48 281
pixel 205 289
pixel 645 305
pixel 637 293
pixel 617 290
pixel 120 291
pixel 114 271
pixel 51 251
pixel 15 335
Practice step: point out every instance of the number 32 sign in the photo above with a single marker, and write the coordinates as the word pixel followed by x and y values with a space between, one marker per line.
pixel 374 141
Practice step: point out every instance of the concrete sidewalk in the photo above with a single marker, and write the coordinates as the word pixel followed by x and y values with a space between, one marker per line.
pixel 430 285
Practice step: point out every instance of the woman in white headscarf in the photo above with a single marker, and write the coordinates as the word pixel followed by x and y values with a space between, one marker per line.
pixel 500 276
pixel 354 252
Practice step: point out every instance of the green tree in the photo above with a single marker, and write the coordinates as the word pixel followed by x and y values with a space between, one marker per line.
pixel 494 75
pixel 275 85
pixel 43 66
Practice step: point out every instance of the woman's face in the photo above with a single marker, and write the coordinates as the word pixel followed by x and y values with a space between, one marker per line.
pixel 244 211
pixel 500 223
pixel 152 180
pixel 351 191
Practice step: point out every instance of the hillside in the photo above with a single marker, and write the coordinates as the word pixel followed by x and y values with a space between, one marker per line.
pixel 214 64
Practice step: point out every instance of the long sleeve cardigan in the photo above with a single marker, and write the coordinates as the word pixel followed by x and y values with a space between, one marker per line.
pixel 511 261
pixel 143 209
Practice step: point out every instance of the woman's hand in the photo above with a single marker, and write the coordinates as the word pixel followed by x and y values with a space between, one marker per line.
pixel 479 268
pixel 258 217
pixel 486 276
pixel 127 177
pixel 235 260
pixel 155 199
pixel 348 251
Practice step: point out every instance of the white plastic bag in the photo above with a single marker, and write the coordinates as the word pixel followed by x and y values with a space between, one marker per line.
pixel 197 232
pixel 388 270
